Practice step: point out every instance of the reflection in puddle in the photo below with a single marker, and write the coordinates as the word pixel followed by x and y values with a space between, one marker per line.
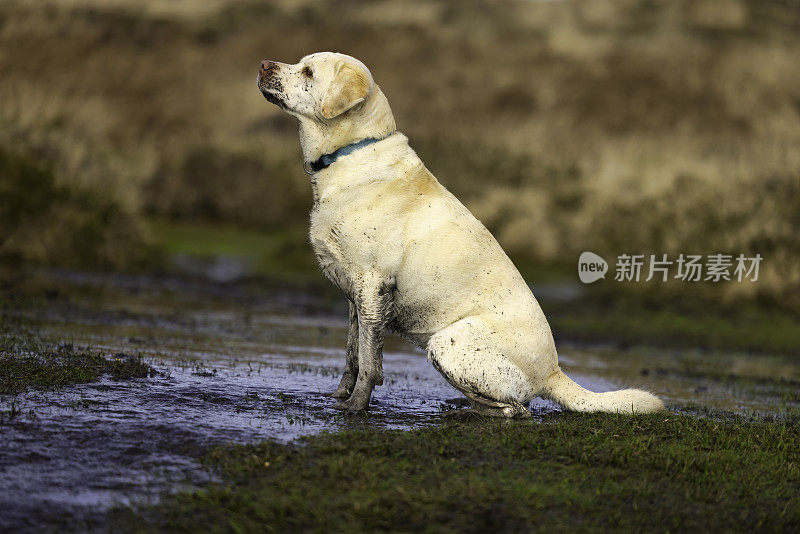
pixel 236 368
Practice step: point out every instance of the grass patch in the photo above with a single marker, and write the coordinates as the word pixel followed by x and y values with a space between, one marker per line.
pixel 26 363
pixel 753 329
pixel 207 240
pixel 282 255
pixel 565 471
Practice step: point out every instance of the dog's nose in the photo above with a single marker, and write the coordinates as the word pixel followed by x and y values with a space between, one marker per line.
pixel 266 64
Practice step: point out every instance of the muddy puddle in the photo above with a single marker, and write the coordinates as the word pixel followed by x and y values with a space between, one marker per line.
pixel 237 364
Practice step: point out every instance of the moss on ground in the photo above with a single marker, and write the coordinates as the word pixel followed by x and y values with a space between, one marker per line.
pixel 579 472
pixel 27 363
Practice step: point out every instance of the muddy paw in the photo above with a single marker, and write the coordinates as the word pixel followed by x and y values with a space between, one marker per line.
pixel 354 404
pixel 341 393
pixel 459 402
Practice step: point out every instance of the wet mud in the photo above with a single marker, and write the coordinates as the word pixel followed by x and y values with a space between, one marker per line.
pixel 240 363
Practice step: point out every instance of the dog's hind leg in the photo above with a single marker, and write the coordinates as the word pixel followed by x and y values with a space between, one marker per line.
pixel 350 374
pixel 513 410
pixel 468 359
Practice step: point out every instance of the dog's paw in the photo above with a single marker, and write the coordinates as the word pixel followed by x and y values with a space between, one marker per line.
pixel 355 403
pixel 341 393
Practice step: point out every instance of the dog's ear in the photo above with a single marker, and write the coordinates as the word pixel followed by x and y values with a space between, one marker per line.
pixel 350 86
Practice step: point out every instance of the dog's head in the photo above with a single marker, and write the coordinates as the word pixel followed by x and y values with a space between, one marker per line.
pixel 332 94
pixel 323 85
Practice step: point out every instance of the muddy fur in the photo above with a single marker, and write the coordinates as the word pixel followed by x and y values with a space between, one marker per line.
pixel 411 258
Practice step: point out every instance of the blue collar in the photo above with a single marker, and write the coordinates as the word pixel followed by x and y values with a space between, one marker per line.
pixel 326 160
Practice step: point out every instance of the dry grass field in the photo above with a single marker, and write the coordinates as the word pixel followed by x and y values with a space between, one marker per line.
pixel 617 126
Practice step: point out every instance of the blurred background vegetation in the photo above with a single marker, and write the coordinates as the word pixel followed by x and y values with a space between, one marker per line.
pixel 132 130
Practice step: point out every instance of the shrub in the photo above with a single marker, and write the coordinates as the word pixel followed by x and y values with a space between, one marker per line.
pixel 45 223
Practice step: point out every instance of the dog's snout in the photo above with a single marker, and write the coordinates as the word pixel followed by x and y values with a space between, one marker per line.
pixel 269 82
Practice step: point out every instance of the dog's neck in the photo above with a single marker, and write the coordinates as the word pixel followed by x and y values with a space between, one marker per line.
pixel 392 159
pixel 371 119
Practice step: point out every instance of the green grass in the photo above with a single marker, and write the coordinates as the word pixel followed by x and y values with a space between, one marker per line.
pixel 27 363
pixel 757 330
pixel 660 472
pixel 278 255
pixel 205 240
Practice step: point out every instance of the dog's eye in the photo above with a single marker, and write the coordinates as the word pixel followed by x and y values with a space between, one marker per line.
pixel 307 72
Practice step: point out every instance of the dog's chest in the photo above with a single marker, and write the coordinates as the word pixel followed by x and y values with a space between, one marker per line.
pixel 326 240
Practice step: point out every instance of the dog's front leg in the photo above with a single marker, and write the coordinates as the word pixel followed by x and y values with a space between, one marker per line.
pixel 348 381
pixel 373 303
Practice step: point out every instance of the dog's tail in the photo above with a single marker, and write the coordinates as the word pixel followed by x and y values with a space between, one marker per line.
pixel 562 389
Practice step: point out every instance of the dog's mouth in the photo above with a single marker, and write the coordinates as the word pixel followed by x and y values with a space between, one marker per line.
pixel 271 89
pixel 275 99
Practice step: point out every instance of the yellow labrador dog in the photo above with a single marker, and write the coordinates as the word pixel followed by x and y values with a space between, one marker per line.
pixel 411 258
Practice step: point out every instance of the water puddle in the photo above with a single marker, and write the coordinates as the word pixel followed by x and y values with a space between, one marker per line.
pixel 237 366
